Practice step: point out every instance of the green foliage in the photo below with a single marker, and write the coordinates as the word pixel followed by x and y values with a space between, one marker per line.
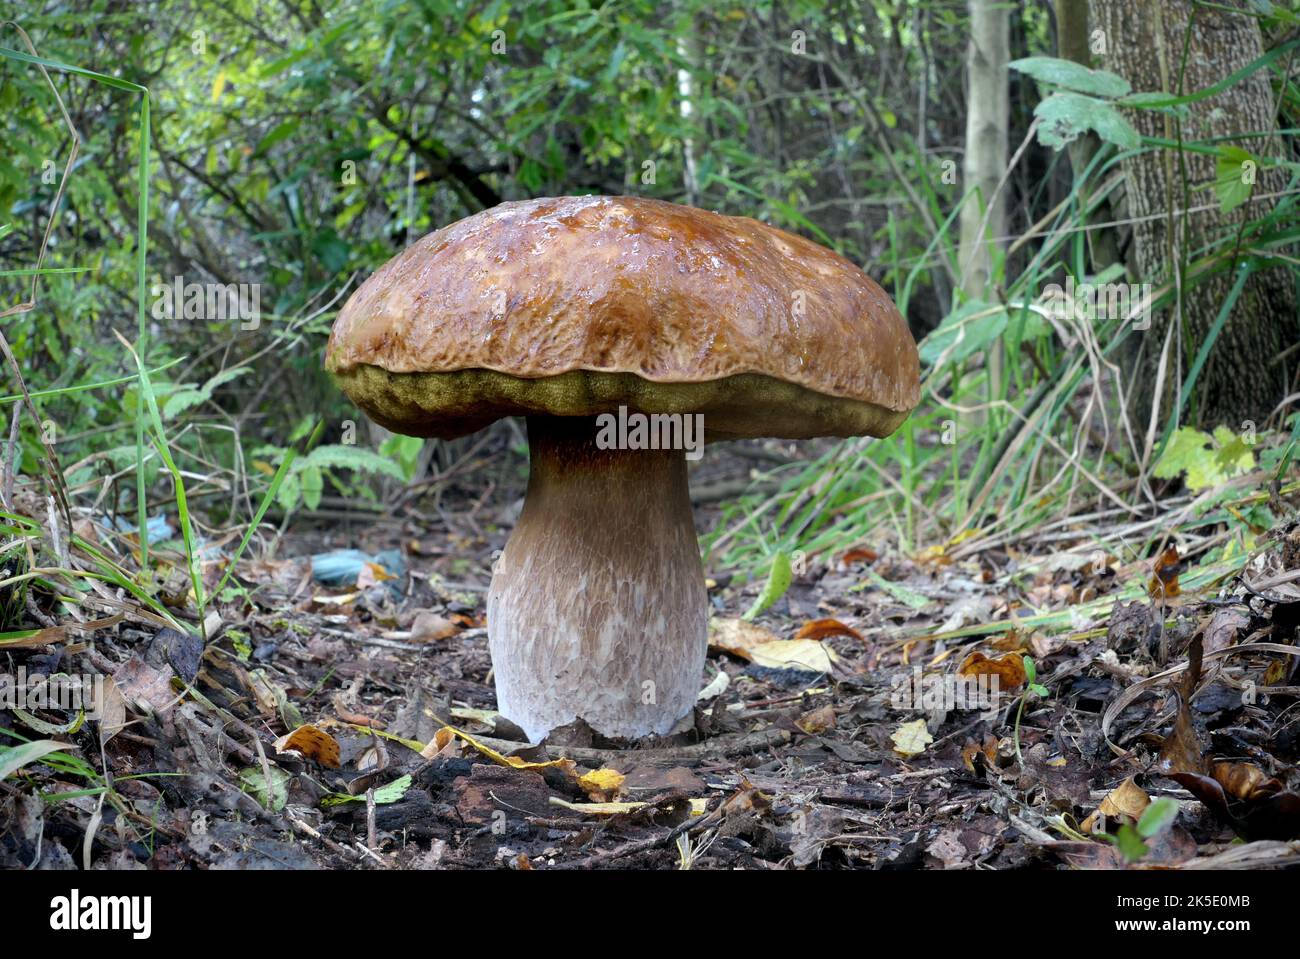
pixel 779 577
pixel 1131 839
pixel 1205 460
pixel 298 148
pixel 1072 76
pixel 1065 116
pixel 306 478
pixel 1232 185
pixel 405 451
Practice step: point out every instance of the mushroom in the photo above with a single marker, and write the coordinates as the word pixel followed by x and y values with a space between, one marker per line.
pixel 614 324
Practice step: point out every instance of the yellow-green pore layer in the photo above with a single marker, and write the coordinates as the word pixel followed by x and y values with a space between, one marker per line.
pixel 452 404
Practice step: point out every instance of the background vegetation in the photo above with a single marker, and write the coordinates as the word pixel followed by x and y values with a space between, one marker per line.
pixel 298 145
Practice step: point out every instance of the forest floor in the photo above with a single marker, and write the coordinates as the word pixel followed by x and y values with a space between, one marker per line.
pixel 351 725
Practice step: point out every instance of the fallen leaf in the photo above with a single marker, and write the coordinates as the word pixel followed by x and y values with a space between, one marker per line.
pixel 717 686
pixel 817 720
pixel 972 749
pixel 1127 800
pixel 443 743
pixel 1276 673
pixel 1164 582
pixel 271 792
pixel 602 785
pixel 948 848
pixel 747 798
pixel 34 638
pixel 144 687
pixel 313 743
pixel 1223 629
pixel 1244 780
pixel 738 637
pixel 110 710
pixel 860 555
pixel 429 627
pixel 761 647
pixel 805 654
pixel 1009 669
pixel 1265 809
pixel 1182 750
pixel 826 628
pixel 567 765
pixel 488 717
pixel 910 739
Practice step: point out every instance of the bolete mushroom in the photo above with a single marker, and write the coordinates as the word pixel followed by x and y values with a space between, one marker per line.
pixel 587 314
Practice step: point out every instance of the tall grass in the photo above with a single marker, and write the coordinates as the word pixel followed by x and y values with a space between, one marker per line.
pixel 987 462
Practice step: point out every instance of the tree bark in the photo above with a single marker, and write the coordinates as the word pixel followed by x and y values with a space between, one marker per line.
pixel 987 114
pixel 1145 41
pixel 1072 36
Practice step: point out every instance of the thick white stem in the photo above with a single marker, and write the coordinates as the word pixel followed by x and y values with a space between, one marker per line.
pixel 598 609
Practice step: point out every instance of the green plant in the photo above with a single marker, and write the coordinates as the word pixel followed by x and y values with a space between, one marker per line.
pixel 1032 688
pixel 1131 838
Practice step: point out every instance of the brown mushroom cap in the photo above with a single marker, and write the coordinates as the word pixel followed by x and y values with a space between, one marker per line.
pixel 575 306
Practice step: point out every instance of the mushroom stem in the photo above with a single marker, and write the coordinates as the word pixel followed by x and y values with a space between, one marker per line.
pixel 597 608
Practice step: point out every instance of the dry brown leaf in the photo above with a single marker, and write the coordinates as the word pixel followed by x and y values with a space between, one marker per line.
pixel 1009 669
pixel 144 687
pixel 817 720
pixel 972 749
pixel 1244 780
pixel 1223 629
pixel 861 555
pixel 312 743
pixel 1164 581
pixel 444 743
pixel 430 626
pixel 826 628
pixel 1128 801
pixel 112 710
pixel 761 647
pixel 57 634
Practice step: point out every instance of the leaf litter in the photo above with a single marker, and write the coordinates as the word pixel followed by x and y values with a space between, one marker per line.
pixel 338 712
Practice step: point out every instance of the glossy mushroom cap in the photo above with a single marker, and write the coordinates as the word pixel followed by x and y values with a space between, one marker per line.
pixel 575 306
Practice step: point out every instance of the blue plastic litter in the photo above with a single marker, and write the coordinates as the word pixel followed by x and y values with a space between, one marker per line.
pixel 341 567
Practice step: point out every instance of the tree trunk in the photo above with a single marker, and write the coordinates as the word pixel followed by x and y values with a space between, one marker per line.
pixel 986 142
pixel 1072 43
pixel 1145 41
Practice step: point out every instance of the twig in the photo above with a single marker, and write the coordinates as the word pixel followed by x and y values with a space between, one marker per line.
pixel 730 745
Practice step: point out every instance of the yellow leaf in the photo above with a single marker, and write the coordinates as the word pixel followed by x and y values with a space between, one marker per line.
pixel 910 739
pixel 602 784
pixel 514 762
pixel 761 647
pixel 597 808
pixel 218 85
pixel 1127 800
pixel 699 806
